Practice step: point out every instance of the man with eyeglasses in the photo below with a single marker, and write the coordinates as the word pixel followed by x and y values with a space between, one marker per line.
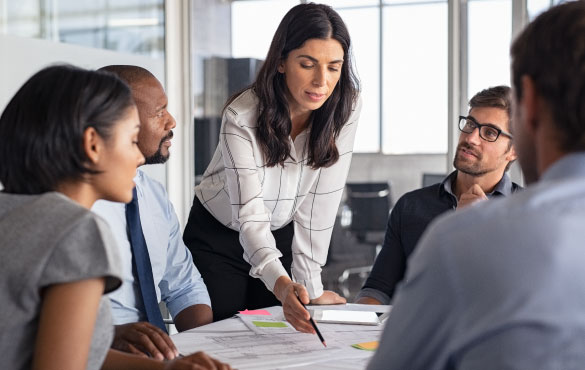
pixel 483 156
pixel 502 286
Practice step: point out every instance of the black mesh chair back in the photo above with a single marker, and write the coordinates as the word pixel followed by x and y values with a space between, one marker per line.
pixel 370 205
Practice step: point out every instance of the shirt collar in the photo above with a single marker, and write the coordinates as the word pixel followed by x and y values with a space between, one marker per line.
pixel 569 166
pixel 137 180
pixel 446 185
pixel 503 187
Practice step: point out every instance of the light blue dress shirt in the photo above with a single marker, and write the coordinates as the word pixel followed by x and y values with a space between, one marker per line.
pixel 498 286
pixel 177 280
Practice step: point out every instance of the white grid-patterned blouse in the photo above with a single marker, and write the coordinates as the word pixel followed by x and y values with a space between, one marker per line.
pixel 241 192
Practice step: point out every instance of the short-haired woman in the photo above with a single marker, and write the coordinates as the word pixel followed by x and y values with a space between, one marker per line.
pixel 67 138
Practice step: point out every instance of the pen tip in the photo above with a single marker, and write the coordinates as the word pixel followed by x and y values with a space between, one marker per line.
pixel 325 344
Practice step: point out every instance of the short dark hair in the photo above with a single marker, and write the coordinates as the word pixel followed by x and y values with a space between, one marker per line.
pixel 551 51
pixel 493 97
pixel 130 74
pixel 301 23
pixel 42 127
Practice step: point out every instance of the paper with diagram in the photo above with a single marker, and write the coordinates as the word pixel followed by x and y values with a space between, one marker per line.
pixel 234 342
pixel 271 351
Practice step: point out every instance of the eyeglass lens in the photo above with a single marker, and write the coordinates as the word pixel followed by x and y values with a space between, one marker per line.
pixel 485 132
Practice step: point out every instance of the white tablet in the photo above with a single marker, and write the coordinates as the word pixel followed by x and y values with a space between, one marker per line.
pixel 344 317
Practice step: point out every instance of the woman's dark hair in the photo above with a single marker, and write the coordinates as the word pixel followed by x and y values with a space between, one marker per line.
pixel 42 127
pixel 301 23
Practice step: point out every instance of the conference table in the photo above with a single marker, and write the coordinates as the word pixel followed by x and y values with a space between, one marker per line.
pixel 267 341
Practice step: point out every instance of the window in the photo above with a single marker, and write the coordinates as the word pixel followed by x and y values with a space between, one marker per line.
pixel 251 38
pixel 490 35
pixel 363 24
pixel 414 97
pixel 134 26
pixel 535 7
pixel 350 3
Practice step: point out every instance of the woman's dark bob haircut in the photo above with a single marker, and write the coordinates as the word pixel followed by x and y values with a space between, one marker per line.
pixel 302 23
pixel 42 127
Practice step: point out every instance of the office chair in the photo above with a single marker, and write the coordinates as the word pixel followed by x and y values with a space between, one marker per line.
pixel 429 179
pixel 367 208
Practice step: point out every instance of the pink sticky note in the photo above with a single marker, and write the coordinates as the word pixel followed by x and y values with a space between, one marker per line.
pixel 255 312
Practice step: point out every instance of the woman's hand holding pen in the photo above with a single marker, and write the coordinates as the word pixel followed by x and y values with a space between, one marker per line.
pixel 287 292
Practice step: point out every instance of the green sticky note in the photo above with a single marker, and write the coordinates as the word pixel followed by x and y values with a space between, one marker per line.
pixel 269 324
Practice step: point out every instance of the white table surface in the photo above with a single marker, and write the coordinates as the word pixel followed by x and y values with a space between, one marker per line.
pixel 232 342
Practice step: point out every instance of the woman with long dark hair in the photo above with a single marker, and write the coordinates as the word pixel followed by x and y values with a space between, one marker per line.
pixel 272 189
pixel 67 138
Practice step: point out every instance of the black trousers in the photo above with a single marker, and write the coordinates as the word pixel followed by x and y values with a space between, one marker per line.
pixel 218 255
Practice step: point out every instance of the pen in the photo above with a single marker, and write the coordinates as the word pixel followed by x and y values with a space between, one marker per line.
pixel 313 323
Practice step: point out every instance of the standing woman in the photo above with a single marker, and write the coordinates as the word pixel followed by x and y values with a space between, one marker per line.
pixel 273 187
pixel 67 138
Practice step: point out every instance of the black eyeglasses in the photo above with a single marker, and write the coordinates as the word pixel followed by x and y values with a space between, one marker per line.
pixel 486 131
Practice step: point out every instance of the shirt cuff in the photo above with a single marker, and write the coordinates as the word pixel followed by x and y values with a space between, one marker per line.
pixel 314 286
pixel 271 272
pixel 374 293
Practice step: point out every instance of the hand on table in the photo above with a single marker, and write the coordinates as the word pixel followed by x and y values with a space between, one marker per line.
pixel 472 195
pixel 143 338
pixel 289 294
pixel 329 297
pixel 197 361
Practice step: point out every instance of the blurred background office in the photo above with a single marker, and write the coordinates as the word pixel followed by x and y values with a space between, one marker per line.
pixel 418 61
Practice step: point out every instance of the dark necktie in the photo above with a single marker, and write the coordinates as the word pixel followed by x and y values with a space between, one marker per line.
pixel 141 267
